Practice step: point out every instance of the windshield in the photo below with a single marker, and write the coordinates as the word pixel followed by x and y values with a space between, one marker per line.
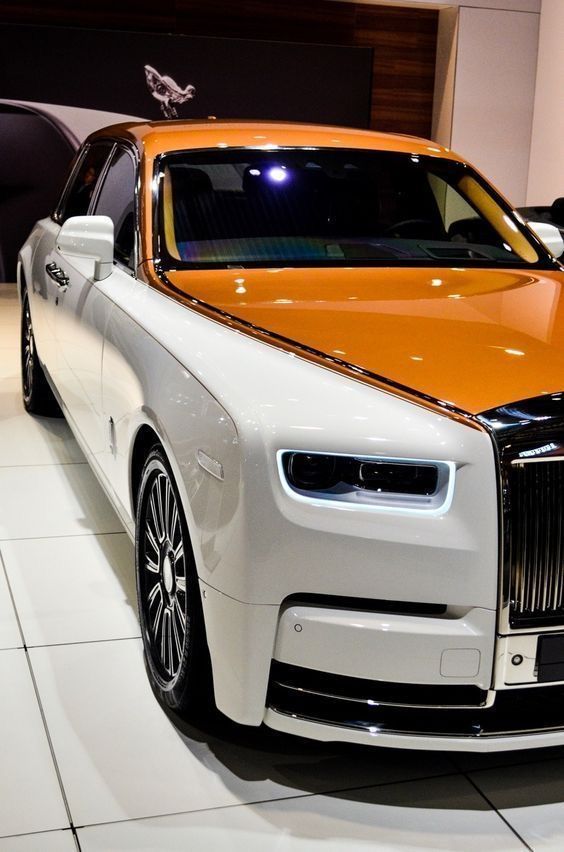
pixel 333 207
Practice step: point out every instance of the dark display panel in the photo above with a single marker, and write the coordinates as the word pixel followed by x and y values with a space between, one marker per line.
pixel 154 76
pixel 232 78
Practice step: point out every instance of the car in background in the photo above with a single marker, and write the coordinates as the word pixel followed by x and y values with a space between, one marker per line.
pixel 552 215
pixel 319 374
pixel 29 191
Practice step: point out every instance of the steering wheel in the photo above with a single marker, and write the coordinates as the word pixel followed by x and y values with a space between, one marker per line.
pixel 404 226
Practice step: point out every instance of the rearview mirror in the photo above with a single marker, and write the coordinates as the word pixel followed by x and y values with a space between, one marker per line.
pixel 89 236
pixel 550 235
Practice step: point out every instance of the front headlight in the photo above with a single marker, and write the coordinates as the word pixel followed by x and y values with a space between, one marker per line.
pixel 369 481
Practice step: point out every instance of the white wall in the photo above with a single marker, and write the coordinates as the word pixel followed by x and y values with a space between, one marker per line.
pixel 445 75
pixel 485 83
pixel 494 93
pixel 485 90
pixel 546 169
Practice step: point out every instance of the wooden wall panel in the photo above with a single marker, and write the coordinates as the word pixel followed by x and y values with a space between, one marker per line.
pixel 403 39
pixel 316 21
pixel 404 42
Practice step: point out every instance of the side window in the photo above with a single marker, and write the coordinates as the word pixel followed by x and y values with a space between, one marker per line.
pixel 81 190
pixel 116 199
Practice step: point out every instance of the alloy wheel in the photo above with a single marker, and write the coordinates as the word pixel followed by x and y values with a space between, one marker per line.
pixel 163 577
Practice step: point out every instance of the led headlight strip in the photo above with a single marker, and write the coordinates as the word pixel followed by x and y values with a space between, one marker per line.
pixel 367 482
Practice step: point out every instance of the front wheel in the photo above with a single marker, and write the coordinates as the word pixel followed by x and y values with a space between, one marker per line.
pixel 170 611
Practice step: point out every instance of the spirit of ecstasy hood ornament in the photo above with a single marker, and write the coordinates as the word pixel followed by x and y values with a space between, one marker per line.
pixel 167 91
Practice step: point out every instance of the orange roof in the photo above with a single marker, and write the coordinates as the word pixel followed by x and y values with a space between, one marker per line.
pixel 159 136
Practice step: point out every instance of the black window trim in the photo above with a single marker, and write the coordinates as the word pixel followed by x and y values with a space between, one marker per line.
pixel 134 156
pixel 101 179
pixel 79 157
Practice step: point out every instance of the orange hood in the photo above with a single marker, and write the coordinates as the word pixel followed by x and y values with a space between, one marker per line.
pixel 474 338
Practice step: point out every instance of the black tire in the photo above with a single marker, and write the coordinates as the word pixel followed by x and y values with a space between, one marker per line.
pixel 170 610
pixel 37 396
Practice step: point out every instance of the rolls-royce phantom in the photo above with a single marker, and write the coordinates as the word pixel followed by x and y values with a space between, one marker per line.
pixel 319 374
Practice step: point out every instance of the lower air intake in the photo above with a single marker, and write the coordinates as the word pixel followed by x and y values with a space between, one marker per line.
pixel 364 705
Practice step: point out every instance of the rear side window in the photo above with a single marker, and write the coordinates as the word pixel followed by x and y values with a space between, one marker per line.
pixel 80 193
pixel 116 199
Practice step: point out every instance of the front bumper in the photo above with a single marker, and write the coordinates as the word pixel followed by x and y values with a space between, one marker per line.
pixel 365 641
pixel 402 680
pixel 441 717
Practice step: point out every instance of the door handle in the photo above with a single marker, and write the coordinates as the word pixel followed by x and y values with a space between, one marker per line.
pixel 56 273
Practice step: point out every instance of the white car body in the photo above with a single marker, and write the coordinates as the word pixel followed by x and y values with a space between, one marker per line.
pixel 124 357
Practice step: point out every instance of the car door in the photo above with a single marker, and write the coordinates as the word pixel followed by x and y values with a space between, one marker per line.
pixel 84 305
pixel 52 272
pixel 44 288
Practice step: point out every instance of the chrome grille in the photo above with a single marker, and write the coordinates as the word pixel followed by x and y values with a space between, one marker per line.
pixel 534 546
pixel 528 437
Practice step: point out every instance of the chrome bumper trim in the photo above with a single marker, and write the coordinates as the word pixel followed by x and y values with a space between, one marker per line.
pixel 367 729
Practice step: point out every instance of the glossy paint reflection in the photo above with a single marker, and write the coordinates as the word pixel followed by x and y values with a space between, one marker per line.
pixel 505 326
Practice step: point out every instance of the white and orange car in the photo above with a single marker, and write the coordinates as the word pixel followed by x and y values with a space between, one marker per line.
pixel 319 374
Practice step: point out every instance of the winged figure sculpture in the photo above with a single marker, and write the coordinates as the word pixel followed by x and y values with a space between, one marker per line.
pixel 167 91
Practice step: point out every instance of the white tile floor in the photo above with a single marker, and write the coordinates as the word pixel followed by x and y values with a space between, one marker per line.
pixel 89 761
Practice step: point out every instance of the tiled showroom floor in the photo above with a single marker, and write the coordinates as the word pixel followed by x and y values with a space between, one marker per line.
pixel 88 760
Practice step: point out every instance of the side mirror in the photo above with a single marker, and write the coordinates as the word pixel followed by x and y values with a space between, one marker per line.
pixel 550 235
pixel 89 236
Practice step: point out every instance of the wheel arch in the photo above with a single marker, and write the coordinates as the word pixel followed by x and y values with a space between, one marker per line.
pixel 144 440
pixel 150 433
